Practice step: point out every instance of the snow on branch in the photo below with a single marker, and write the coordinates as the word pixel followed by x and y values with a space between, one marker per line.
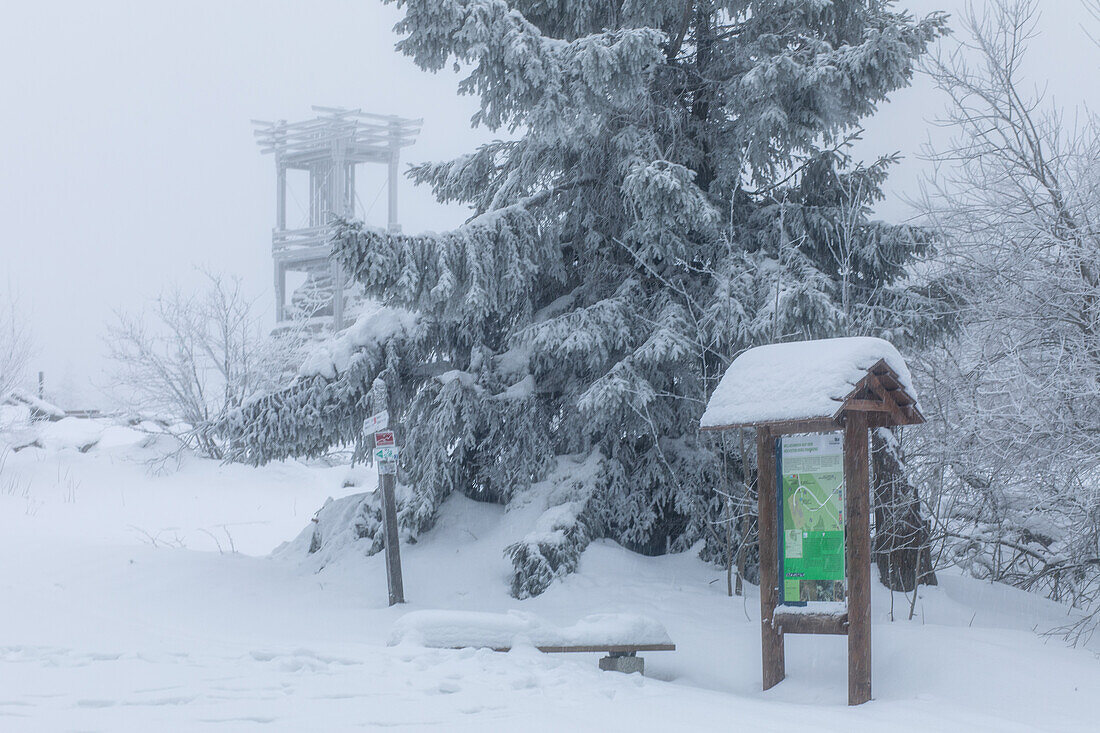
pixel 325 405
pixel 370 330
pixel 521 74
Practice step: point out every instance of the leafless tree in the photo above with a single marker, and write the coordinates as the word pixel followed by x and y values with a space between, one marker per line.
pixel 1012 458
pixel 189 358
pixel 15 345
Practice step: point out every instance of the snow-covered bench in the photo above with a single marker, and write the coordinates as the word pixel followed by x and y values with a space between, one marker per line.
pixel 621 636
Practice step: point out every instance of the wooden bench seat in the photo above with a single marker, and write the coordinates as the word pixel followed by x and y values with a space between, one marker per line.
pixel 589 648
pixel 620 636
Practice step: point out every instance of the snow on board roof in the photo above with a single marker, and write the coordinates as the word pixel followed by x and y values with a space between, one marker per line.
pixel 802 380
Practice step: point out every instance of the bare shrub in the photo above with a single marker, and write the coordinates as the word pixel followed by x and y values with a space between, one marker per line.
pixel 1012 456
pixel 15 345
pixel 190 358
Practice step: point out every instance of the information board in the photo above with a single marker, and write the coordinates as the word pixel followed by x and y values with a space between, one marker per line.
pixel 811 498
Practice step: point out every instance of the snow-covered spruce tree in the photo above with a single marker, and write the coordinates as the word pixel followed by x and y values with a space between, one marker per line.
pixel 676 190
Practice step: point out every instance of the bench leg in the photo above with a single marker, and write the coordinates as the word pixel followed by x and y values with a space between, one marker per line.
pixel 626 662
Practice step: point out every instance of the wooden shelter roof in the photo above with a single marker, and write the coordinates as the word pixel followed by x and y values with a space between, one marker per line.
pixel 807 386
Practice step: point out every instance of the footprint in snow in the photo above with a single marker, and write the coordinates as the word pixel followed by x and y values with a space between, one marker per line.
pixel 447 687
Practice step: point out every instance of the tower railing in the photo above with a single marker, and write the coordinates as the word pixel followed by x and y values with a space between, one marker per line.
pixel 328 148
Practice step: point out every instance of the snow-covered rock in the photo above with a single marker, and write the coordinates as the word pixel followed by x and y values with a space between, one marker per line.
pixel 71 433
pixel 348 526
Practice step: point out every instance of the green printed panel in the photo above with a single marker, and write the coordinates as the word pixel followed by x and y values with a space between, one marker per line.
pixel 812 499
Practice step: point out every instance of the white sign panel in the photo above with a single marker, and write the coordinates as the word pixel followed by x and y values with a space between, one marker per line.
pixel 374 423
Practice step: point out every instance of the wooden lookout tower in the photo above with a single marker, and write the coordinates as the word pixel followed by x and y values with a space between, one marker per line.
pixel 811 404
pixel 328 149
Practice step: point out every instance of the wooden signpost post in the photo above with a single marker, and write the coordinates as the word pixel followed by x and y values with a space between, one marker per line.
pixel 778 390
pixel 386 452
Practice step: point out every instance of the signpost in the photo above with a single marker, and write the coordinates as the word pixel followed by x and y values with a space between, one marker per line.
pixel 386 452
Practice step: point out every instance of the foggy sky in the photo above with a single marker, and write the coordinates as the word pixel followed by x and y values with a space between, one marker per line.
pixel 128 157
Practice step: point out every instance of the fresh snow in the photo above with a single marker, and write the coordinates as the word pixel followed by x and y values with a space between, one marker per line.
pixel 443 629
pixel 72 433
pixel 798 380
pixel 126 608
pixel 373 326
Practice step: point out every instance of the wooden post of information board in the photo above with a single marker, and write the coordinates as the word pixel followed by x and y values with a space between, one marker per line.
pixel 858 530
pixel 771 637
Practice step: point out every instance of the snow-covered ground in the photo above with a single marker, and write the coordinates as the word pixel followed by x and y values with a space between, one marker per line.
pixel 125 608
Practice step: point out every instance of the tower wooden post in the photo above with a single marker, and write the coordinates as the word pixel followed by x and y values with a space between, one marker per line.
pixel 392 175
pixel 327 148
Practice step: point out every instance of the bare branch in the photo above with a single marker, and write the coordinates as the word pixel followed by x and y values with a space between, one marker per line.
pixel 191 358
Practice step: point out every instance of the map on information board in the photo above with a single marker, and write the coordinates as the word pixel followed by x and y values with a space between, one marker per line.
pixel 811 470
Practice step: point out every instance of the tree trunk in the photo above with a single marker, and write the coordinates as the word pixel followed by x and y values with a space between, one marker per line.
pixel 900 546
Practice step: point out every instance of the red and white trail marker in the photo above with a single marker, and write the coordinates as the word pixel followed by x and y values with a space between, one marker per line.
pixel 378 421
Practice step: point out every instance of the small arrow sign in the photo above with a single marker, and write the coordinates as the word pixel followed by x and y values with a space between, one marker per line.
pixel 384 438
pixel 376 422
pixel 388 453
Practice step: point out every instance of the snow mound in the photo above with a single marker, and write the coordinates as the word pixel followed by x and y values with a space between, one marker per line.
pixel 799 380
pixel 457 629
pixel 79 434
pixel 71 433
pixel 123 436
pixel 350 525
